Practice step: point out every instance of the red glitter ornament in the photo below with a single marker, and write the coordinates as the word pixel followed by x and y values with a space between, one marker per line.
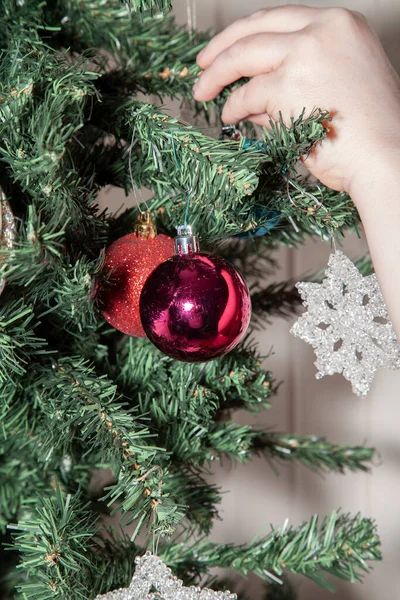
pixel 129 261
pixel 195 306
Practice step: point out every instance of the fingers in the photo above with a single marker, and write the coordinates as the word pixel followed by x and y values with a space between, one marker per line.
pixel 248 57
pixel 284 19
pixel 263 120
pixel 256 98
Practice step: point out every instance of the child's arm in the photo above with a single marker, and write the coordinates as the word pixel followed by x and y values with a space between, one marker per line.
pixel 297 57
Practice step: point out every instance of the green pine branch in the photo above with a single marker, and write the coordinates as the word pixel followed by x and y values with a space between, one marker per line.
pixel 53 544
pixel 315 453
pixel 169 390
pixel 37 257
pixel 72 297
pixel 39 123
pixel 316 210
pixel 182 160
pixel 56 545
pixel 200 497
pixel 20 479
pixel 339 545
pixel 150 53
pixel 230 204
pixel 144 5
pixel 287 143
pixel 19 342
pixel 43 99
pixel 242 442
pixel 98 419
pixel 38 247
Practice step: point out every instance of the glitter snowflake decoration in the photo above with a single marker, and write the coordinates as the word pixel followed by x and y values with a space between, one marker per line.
pixel 152 574
pixel 7 229
pixel 347 324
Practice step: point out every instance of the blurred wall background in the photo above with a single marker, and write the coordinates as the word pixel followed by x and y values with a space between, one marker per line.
pixel 256 497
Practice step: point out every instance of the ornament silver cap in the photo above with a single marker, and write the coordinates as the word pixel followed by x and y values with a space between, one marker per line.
pixel 230 132
pixel 185 241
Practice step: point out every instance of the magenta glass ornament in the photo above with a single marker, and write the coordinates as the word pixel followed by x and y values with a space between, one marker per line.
pixel 195 306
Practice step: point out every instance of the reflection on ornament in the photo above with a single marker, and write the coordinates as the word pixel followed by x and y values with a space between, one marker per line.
pixel 7 230
pixel 129 261
pixel 195 306
pixel 152 574
pixel 347 324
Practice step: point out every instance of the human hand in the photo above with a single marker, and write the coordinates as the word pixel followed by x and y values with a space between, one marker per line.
pixel 301 57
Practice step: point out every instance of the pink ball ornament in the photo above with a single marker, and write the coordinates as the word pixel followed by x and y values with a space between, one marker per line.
pixel 194 306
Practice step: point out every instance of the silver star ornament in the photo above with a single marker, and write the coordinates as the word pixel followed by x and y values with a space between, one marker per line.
pixel 347 324
pixel 152 574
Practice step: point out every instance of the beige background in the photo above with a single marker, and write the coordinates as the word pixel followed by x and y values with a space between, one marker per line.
pixel 257 497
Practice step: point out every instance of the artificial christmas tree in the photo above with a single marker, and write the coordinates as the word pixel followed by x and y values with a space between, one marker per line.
pixel 77 395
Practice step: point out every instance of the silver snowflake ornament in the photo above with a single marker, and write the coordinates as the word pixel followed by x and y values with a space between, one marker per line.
pixel 7 230
pixel 347 324
pixel 152 574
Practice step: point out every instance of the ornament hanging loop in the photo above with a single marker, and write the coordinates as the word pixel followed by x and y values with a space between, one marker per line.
pixel 185 241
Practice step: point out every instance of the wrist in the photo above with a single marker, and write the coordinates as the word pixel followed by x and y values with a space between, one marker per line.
pixel 375 184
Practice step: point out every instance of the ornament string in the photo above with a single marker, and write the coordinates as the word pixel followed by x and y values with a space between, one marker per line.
pixel 334 242
pixel 302 190
pixel 299 188
pixel 187 188
pixel 155 541
pixel 191 15
pixel 138 196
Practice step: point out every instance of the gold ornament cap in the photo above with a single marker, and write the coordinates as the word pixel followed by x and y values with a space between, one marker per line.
pixel 145 227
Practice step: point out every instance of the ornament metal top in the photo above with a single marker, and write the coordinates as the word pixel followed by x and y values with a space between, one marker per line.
pixel 144 227
pixel 230 132
pixel 152 573
pixel 7 230
pixel 348 325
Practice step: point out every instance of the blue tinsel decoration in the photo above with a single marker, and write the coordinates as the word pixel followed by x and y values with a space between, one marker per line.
pixel 274 216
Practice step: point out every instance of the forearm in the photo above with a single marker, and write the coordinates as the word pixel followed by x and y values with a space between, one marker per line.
pixel 376 194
